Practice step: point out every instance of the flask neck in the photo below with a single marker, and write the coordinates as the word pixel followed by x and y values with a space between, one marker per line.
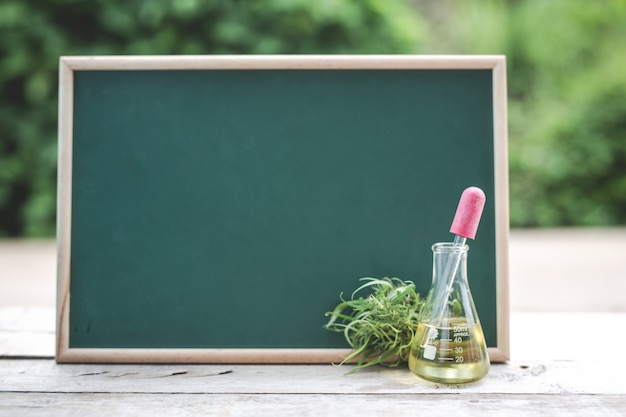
pixel 443 254
pixel 449 296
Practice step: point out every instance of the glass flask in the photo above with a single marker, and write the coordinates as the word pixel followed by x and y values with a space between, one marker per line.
pixel 449 345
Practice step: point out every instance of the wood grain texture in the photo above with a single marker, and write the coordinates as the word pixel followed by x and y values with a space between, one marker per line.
pixel 120 405
pixel 40 387
pixel 64 201
pixel 501 184
pixel 513 378
pixel 283 61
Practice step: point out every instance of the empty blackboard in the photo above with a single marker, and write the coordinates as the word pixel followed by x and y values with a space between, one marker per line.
pixel 213 208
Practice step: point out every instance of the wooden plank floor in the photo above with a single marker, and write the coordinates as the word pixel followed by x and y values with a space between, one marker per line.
pixel 304 405
pixel 527 377
pixel 40 387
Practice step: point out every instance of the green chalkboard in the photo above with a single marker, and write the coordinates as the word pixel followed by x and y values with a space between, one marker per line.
pixel 223 205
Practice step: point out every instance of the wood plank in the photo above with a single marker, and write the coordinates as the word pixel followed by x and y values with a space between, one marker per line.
pixel 119 405
pixel 180 62
pixel 554 377
pixel 501 183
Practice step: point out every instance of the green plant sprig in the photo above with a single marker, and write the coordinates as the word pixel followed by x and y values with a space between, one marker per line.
pixel 378 327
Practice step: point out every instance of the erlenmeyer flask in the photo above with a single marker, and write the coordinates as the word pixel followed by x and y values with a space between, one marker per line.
pixel 449 345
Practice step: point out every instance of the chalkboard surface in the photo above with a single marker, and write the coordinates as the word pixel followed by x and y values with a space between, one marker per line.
pixel 219 208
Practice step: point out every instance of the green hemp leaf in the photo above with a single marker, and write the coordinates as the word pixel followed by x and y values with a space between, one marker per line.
pixel 379 327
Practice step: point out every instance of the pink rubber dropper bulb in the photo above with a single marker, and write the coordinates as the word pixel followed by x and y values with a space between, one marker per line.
pixel 468 213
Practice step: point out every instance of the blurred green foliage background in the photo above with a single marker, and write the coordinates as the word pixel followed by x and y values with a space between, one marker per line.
pixel 566 74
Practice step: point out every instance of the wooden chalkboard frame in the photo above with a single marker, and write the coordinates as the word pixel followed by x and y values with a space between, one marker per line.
pixel 70 65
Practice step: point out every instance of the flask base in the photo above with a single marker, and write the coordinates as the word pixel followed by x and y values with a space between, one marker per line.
pixel 447 373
